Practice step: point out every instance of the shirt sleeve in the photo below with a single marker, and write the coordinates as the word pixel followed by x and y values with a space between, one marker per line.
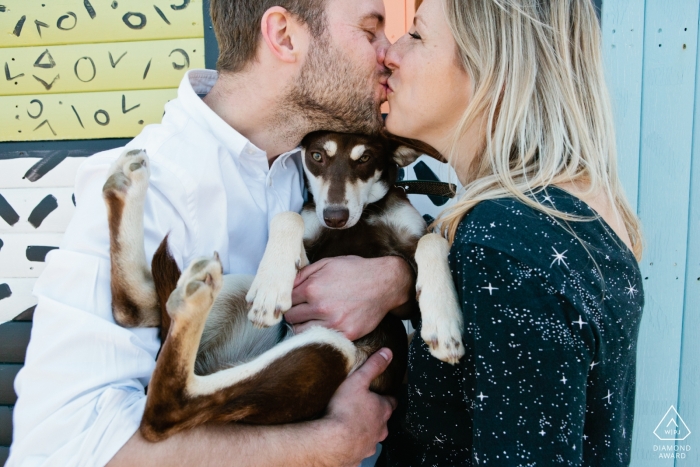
pixel 81 391
pixel 531 351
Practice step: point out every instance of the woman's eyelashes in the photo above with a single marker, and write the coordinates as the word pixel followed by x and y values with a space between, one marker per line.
pixel 415 35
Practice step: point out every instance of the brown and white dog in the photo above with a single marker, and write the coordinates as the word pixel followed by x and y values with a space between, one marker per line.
pixel 226 355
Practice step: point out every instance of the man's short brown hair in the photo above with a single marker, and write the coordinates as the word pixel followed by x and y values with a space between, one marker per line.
pixel 237 26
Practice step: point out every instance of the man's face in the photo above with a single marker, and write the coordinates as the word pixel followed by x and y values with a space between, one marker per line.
pixel 342 83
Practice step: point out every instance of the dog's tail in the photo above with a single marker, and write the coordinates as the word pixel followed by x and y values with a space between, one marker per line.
pixel 166 273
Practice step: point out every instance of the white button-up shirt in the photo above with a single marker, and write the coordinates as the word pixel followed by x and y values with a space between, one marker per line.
pixel 81 391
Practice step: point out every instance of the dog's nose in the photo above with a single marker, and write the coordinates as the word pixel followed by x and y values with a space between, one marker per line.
pixel 336 217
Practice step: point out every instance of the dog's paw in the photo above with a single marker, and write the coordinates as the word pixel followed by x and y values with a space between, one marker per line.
pixel 197 289
pixel 444 339
pixel 269 298
pixel 129 174
pixel 441 323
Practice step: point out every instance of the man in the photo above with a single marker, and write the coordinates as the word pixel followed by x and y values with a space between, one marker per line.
pixel 221 167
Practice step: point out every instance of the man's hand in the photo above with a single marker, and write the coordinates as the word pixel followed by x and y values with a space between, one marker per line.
pixel 349 294
pixel 359 414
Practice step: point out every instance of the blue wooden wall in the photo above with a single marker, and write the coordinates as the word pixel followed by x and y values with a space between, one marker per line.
pixel 651 52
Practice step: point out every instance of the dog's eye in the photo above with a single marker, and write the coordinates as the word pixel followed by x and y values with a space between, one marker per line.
pixel 364 158
pixel 317 156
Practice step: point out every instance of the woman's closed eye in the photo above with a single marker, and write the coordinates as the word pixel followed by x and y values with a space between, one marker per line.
pixel 415 35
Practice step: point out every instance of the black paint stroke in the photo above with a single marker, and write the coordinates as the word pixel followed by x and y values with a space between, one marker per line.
pixel 5 291
pixel 7 212
pixel 59 23
pixel 94 69
pixel 73 198
pixel 1 244
pixel 76 114
pixel 184 54
pixel 124 109
pixel 46 54
pixel 44 166
pixel 423 172
pixel 46 122
pixel 19 26
pixel 41 109
pixel 103 112
pixel 161 14
pixel 90 9
pixel 40 25
pixel 112 62
pixel 42 210
pixel 46 85
pixel 8 76
pixel 127 17
pixel 148 67
pixel 3 8
pixel 37 254
pixel 184 5
pixel 114 5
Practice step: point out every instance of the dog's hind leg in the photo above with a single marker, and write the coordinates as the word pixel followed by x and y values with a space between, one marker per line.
pixel 293 381
pixel 441 315
pixel 134 300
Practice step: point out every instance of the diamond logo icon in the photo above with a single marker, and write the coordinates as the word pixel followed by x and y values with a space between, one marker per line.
pixel 672 427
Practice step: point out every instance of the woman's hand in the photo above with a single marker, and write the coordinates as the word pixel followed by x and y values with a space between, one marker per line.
pixel 349 294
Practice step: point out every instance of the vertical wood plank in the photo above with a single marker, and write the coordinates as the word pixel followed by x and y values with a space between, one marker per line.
pixel 689 400
pixel 395 19
pixel 623 49
pixel 670 47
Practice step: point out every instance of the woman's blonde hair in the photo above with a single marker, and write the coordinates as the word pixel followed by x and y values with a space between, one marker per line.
pixel 537 77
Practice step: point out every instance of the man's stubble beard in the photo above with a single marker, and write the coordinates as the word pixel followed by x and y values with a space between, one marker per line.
pixel 331 94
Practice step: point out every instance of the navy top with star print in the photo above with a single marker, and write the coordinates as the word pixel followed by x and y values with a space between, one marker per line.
pixel 550 334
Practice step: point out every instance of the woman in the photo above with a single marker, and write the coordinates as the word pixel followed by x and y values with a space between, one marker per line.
pixel 544 245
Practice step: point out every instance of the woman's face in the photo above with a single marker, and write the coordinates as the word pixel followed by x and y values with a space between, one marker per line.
pixel 428 89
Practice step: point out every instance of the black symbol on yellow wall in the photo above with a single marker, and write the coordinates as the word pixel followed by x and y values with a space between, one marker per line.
pixel 46 85
pixel 46 122
pixel 8 75
pixel 129 20
pixel 124 109
pixel 85 78
pixel 41 61
pixel 112 62
pixel 40 25
pixel 90 9
pixel 59 23
pixel 41 109
pixel 19 26
pixel 184 5
pixel 186 57
pixel 161 14
pixel 104 120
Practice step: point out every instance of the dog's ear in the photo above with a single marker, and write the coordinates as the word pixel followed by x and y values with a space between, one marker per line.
pixel 406 150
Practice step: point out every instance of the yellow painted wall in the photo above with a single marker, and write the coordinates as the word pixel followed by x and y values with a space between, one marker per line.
pixel 88 69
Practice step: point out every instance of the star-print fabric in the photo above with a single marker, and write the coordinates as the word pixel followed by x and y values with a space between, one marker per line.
pixel 551 318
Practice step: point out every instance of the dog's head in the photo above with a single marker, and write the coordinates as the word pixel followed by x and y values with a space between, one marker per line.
pixel 346 172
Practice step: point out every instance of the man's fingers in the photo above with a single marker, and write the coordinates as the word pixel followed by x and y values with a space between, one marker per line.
pixel 309 270
pixel 299 328
pixel 373 367
pixel 299 314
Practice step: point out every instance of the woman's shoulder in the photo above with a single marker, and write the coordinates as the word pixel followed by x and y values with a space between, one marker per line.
pixel 527 234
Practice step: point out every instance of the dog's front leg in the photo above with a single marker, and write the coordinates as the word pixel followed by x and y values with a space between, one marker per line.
pixel 271 291
pixel 134 300
pixel 441 315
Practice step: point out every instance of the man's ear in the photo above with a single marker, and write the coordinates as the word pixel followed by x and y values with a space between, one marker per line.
pixel 280 32
pixel 407 150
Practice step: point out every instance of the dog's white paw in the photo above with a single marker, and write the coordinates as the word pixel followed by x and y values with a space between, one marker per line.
pixel 270 297
pixel 129 174
pixel 197 288
pixel 442 323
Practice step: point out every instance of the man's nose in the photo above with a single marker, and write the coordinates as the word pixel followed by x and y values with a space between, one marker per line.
pixel 383 45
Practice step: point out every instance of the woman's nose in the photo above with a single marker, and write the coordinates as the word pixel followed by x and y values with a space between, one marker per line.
pixel 391 56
